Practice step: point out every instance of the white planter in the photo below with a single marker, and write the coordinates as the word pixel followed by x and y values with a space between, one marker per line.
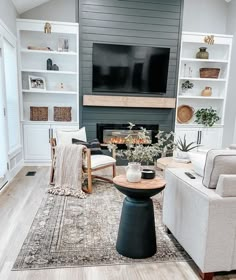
pixel 182 155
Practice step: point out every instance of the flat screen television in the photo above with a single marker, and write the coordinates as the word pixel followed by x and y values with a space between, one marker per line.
pixel 130 69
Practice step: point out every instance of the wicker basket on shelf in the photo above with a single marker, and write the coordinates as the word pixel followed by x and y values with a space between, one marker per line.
pixel 62 114
pixel 38 113
pixel 212 73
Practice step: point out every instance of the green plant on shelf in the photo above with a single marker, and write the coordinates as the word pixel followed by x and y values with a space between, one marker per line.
pixel 206 116
pixel 187 85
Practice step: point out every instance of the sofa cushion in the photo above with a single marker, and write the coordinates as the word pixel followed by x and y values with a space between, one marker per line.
pixel 93 145
pixel 198 162
pixel 99 161
pixel 64 136
pixel 218 162
pixel 226 186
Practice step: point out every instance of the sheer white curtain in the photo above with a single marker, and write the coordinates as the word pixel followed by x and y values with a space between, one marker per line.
pixel 3 143
pixel 12 96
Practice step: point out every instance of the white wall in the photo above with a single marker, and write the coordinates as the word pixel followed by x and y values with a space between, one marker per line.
pixel 230 114
pixel 8 14
pixel 205 16
pixel 55 10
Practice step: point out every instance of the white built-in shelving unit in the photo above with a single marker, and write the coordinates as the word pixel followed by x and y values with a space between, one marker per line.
pixel 62 87
pixel 219 57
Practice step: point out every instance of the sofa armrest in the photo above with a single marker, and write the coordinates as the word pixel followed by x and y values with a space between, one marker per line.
pixel 226 186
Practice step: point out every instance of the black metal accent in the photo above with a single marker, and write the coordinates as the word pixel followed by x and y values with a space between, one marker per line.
pixel 198 137
pixel 30 173
pixel 102 126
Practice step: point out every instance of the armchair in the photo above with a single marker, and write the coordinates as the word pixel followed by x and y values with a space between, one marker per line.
pixel 91 164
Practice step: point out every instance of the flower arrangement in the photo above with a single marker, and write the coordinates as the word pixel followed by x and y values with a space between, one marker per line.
pixel 144 152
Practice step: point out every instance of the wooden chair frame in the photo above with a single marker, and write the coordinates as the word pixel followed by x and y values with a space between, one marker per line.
pixel 88 170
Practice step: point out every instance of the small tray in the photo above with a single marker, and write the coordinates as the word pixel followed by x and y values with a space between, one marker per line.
pixel 148 174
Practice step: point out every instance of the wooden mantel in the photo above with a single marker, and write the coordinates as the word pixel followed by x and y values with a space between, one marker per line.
pixel 128 101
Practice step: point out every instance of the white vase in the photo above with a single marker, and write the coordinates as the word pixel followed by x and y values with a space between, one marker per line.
pixel 182 155
pixel 133 172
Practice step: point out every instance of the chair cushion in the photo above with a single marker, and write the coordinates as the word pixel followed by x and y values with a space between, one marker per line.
pixel 218 162
pixel 93 145
pixel 198 162
pixel 64 136
pixel 99 161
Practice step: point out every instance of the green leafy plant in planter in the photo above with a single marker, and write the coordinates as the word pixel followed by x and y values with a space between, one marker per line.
pixel 206 116
pixel 184 147
pixel 186 85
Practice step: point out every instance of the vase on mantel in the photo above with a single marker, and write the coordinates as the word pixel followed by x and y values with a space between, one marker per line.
pixel 202 54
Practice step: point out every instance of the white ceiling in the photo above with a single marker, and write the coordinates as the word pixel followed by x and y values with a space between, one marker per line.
pixel 25 5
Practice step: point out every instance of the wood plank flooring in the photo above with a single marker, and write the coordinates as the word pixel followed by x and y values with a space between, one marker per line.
pixel 18 206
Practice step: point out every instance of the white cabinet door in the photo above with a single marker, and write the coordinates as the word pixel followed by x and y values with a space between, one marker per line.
pixel 207 138
pixel 211 138
pixel 36 142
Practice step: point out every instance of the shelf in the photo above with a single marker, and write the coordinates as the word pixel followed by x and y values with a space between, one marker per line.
pixel 50 72
pixel 48 52
pixel 49 122
pixel 203 79
pixel 49 91
pixel 200 97
pixel 204 60
pixel 197 125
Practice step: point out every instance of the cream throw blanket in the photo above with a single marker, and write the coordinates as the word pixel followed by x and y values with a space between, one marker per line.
pixel 68 170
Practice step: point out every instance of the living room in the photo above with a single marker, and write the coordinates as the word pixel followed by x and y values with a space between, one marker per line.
pixel 86 67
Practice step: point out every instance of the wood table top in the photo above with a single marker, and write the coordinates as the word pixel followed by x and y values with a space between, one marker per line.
pixel 144 184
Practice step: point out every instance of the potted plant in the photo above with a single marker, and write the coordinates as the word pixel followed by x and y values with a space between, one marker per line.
pixel 186 86
pixel 184 147
pixel 206 116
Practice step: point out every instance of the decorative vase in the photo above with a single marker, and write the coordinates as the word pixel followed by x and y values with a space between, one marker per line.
pixel 182 155
pixel 202 54
pixel 133 172
pixel 207 91
pixel 49 64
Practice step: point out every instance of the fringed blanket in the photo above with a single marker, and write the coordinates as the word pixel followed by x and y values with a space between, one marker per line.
pixel 68 171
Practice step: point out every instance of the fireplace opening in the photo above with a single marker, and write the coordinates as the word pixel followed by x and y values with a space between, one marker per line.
pixel 117 133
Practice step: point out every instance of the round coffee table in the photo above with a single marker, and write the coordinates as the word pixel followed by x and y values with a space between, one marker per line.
pixel 137 237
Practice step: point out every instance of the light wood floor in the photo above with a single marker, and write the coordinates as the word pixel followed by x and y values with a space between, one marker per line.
pixel 18 206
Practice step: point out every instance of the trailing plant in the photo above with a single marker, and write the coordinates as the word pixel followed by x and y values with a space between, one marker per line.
pixel 187 85
pixel 183 146
pixel 206 116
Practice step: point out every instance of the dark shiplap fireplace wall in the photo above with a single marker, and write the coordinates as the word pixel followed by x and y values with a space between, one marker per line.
pixel 131 22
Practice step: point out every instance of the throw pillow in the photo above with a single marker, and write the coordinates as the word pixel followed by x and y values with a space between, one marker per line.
pixel 93 145
pixel 218 162
pixel 64 136
pixel 198 161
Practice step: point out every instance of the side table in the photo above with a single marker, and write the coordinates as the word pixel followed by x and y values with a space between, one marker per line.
pixel 137 237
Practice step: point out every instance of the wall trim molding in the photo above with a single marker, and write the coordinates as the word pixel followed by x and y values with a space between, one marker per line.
pixel 128 101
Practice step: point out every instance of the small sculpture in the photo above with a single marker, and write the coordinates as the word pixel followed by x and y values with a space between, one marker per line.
pixel 49 64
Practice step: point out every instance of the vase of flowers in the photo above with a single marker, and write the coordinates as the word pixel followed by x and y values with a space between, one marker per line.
pixel 144 151
pixel 133 172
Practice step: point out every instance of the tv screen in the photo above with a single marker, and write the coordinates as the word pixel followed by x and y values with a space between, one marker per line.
pixel 130 69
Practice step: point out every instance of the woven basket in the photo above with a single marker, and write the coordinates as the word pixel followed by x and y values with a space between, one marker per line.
pixel 62 114
pixel 209 73
pixel 38 113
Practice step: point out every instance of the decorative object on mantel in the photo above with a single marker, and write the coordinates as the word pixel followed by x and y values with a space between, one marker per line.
pixel 184 113
pixel 184 147
pixel 207 91
pixel 186 86
pixel 212 73
pixel 209 39
pixel 206 116
pixel 62 114
pixel 202 54
pixel 47 28
pixel 38 113
pixel 49 64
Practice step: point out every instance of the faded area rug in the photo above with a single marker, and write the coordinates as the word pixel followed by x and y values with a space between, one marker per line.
pixel 72 232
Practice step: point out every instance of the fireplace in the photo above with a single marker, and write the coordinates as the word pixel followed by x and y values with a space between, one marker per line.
pixel 116 133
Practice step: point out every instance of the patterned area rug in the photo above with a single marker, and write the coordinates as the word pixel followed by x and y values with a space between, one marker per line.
pixel 70 232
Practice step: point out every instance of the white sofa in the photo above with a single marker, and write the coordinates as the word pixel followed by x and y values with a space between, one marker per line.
pixel 202 219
